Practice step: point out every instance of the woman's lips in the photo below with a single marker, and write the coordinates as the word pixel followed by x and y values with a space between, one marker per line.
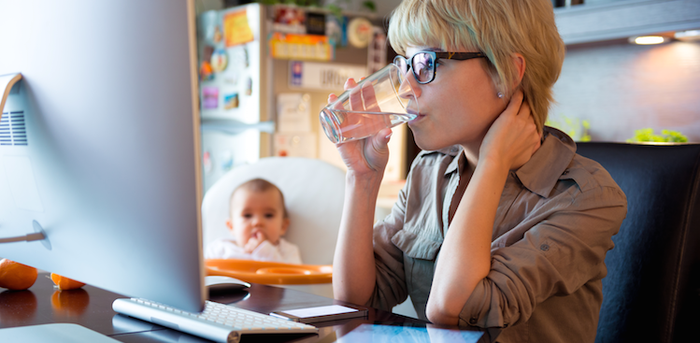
pixel 417 114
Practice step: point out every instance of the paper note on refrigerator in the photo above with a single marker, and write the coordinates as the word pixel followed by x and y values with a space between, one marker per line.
pixel 236 28
pixel 299 144
pixel 293 112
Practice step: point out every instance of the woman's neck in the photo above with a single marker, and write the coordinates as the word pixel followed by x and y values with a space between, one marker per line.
pixel 471 152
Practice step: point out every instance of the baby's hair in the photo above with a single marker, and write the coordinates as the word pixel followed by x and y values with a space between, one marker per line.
pixel 259 186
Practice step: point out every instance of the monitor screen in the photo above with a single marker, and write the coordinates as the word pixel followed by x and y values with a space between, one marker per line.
pixel 100 144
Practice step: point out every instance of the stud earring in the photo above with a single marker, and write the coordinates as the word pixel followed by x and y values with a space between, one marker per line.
pixel 500 95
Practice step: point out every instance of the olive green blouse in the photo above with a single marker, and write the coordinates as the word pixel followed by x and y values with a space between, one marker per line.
pixel 554 224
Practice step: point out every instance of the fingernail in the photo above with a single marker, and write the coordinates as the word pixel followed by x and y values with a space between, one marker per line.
pixel 389 135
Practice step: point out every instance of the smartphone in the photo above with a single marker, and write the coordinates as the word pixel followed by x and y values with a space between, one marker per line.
pixel 321 313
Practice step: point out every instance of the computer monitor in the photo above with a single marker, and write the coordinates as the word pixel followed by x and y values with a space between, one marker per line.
pixel 100 144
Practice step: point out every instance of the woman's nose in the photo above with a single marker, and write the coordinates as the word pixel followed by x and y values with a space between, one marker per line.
pixel 410 90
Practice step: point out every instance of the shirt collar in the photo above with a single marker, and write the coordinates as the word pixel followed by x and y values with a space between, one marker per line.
pixel 454 151
pixel 541 172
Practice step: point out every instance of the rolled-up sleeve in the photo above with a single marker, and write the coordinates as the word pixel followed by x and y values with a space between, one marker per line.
pixel 407 241
pixel 561 247
pixel 390 288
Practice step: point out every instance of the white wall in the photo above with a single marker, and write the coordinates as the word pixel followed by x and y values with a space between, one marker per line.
pixel 619 87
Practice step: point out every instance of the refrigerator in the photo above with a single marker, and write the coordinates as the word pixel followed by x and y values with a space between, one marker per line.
pixel 236 123
pixel 266 72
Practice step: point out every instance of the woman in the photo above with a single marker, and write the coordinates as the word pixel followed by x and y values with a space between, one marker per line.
pixel 500 223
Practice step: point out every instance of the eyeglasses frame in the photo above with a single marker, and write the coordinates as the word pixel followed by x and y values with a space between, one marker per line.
pixel 448 55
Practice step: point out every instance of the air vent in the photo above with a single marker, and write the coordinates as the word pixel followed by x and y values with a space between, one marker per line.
pixel 13 131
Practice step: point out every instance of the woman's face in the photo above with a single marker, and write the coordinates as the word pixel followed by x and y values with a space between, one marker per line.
pixel 457 107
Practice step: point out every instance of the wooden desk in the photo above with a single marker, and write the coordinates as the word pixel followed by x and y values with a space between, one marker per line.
pixel 92 307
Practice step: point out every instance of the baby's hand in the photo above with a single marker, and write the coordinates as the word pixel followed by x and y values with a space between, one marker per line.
pixel 255 240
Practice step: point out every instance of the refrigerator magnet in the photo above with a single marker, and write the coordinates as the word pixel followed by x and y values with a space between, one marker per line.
pixel 249 86
pixel 231 101
pixel 231 79
pixel 238 57
pixel 207 51
pixel 219 60
pixel 218 35
pixel 206 162
pixel 210 97
pixel 209 25
pixel 226 160
pixel 206 72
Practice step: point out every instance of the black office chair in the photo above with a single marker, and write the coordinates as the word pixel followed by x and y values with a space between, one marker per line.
pixel 652 290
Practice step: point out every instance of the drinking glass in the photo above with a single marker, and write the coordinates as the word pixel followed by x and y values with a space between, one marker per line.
pixel 379 101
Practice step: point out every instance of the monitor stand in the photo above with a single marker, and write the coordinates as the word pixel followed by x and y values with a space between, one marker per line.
pixel 6 83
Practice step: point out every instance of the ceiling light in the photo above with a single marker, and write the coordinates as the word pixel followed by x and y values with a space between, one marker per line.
pixel 647 40
pixel 687 36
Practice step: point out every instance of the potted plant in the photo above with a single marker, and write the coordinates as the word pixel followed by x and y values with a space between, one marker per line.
pixel 666 136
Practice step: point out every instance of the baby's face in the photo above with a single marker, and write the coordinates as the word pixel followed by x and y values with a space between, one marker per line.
pixel 257 212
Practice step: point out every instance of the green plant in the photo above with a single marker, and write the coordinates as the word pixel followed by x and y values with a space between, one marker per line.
pixel 368 4
pixel 648 135
pixel 571 127
pixel 303 3
pixel 335 10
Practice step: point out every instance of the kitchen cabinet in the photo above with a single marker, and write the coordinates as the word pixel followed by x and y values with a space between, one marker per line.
pixel 609 20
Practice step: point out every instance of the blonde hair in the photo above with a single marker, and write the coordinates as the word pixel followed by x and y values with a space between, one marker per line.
pixel 498 28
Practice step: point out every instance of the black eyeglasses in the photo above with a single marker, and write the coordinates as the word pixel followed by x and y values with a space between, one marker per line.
pixel 423 63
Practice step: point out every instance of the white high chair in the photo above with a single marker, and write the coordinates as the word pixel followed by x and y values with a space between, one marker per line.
pixel 313 193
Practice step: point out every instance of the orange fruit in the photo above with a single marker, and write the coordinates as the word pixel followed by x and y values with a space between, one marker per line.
pixel 16 276
pixel 63 283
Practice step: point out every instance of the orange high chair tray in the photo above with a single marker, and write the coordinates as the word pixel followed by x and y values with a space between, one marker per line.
pixel 270 273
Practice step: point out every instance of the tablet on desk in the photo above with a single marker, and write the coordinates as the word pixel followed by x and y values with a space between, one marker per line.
pixel 54 332
pixel 409 334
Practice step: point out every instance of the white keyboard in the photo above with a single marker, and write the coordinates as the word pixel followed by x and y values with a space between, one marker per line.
pixel 218 322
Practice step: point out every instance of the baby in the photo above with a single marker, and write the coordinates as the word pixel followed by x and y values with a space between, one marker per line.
pixel 258 219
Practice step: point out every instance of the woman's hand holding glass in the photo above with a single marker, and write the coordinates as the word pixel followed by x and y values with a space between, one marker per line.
pixel 371 154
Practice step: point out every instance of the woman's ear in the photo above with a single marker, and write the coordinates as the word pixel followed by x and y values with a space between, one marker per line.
pixel 519 62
